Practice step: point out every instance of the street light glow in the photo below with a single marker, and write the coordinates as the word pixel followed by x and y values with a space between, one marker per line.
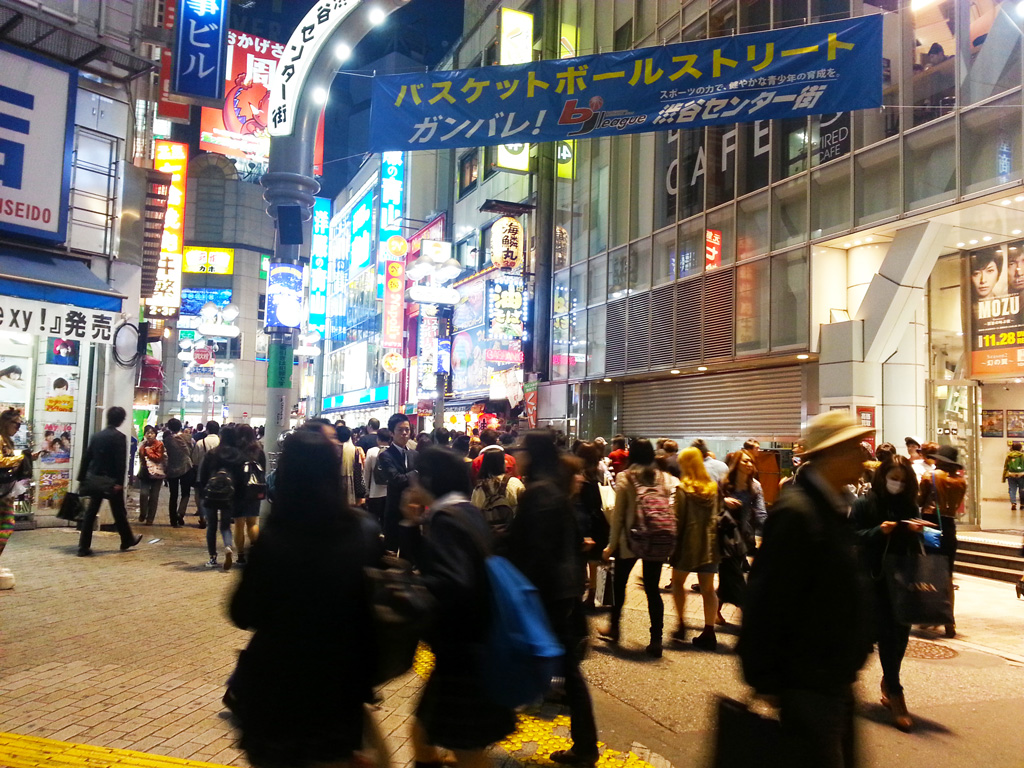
pixel 377 16
pixel 342 52
pixel 320 95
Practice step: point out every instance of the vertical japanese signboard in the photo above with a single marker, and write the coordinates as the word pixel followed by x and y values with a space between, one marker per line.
pixel 389 222
pixel 172 158
pixel 516 48
pixel 165 108
pixel 200 56
pixel 712 248
pixel 319 259
pixel 394 306
pixel 37 102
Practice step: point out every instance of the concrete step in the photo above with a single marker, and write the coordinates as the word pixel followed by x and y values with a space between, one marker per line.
pixel 990 560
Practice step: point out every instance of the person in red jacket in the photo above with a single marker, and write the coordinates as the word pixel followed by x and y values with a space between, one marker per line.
pixel 489 438
pixel 619 457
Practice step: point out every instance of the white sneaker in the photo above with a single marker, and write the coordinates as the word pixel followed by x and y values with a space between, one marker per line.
pixel 228 555
pixel 6 579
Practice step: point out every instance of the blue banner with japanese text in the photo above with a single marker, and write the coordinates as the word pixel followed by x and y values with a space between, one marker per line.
pixel 816 69
pixel 200 50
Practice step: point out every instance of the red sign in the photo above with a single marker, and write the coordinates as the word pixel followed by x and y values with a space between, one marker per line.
pixel 170 157
pixel 394 305
pixel 497 355
pixel 866 417
pixel 202 355
pixel 712 248
pixel 239 128
pixel 165 108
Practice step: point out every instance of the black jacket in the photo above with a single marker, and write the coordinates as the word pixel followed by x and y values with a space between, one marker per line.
pixel 545 543
pixel 868 515
pixel 106 456
pixel 806 621
pixel 396 472
pixel 306 673
pixel 231 459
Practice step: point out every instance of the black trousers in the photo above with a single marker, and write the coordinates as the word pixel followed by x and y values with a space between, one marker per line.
pixel 392 526
pixel 893 638
pixel 818 729
pixel 569 626
pixel 124 529
pixel 376 509
pixel 652 578
pixel 183 484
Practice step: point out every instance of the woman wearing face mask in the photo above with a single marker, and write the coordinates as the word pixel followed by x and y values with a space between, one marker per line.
pixel 887 525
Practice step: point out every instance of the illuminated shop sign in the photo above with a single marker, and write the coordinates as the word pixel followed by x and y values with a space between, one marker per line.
pixel 712 248
pixel 499 355
pixel 506 307
pixel 426 346
pixel 516 41
pixel 193 299
pixel 200 52
pixel 507 243
pixel 319 259
pixel 389 227
pixel 360 244
pixel 209 261
pixel 394 306
pixel 284 297
pixel 171 157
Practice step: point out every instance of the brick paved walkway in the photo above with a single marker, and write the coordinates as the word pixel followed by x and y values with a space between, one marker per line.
pixel 128 652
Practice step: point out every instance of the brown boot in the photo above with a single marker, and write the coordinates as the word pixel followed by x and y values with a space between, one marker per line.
pixel 885 695
pixel 900 716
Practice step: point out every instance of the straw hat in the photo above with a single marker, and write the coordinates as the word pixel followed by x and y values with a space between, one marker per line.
pixel 832 428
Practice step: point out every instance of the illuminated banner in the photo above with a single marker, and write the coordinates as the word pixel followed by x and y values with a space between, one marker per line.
pixel 394 306
pixel 239 128
pixel 319 258
pixel 712 248
pixel 171 157
pixel 200 54
pixel 392 197
pixel 997 333
pixel 361 243
pixel 506 307
pixel 822 68
pixel 165 108
pixel 516 41
pixel 284 297
pixel 210 261
pixel 37 110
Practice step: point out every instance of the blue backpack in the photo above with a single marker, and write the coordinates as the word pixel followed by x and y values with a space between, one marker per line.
pixel 522 654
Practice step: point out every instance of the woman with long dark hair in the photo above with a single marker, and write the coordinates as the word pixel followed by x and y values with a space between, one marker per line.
pixel 887 525
pixel 301 685
pixel 247 514
pixel 592 507
pixel 454 711
pixel 743 512
pixel 218 505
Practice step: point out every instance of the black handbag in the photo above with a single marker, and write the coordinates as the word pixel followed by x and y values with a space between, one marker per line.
pixel 401 607
pixel 920 588
pixel 97 485
pixel 71 507
pixel 744 738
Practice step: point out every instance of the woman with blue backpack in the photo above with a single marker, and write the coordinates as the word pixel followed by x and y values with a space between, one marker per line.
pixel 457 710
pixel 643 527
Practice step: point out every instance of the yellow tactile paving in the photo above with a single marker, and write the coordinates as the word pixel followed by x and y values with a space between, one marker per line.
pixel 18 751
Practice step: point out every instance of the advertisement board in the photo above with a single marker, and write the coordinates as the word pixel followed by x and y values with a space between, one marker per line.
pixel 393 323
pixel 239 128
pixel 319 259
pixel 361 242
pixel 284 297
pixel 209 261
pixel 200 53
pixel 516 47
pixel 506 307
pixel 170 157
pixel 997 320
pixel 165 108
pixel 37 106
pixel 823 68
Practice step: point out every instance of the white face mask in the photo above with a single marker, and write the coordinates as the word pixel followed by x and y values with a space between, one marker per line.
pixel 895 487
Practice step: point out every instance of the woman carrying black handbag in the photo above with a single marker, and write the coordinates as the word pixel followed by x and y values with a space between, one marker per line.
pixel 887 525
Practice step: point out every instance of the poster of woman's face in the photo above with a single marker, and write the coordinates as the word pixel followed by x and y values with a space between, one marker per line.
pixel 62 351
pixel 14 373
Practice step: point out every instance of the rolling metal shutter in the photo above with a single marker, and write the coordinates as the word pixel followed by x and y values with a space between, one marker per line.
pixel 766 404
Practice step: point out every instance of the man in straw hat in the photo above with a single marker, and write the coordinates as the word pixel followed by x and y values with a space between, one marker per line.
pixel 805 624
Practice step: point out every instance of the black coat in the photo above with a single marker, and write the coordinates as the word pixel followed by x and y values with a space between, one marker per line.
pixel 545 543
pixel 106 456
pixel 231 459
pixel 806 621
pixel 303 679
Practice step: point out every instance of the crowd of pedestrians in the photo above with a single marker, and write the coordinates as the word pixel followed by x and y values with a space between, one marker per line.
pixel 806 572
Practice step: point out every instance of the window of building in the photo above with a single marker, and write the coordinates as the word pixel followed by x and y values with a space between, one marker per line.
pixel 789 301
pixel 578 287
pixel 831 137
pixel 755 16
pixel 641 201
pixel 829 10
pixel 492 53
pixel 789 213
pixel 929 159
pixel 755 144
pixel 620 212
pixel 995 45
pixel 490 161
pixel 640 265
pixel 692 172
pixel 876 190
pixel 753 226
pixel 990 140
pixel 721 220
pixel 560 293
pixel 752 307
pixel 560 348
pixel 581 203
pixel 467 252
pixel 261 311
pixel 624 37
pixel 666 177
pixel 469 168
pixel 663 259
pixel 720 148
pixel 599 193
pixel 790 13
pixel 577 362
pixel 596 341
pixel 618 273
pixel 597 279
pixel 722 19
pixel 831 209
pixel 932 65
pixel 874 125
pixel 792 148
pixel 691 247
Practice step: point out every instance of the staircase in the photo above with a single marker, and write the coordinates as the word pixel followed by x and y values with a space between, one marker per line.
pixel 988 557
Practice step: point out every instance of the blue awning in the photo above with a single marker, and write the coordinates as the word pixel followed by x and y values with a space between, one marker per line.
pixel 58 279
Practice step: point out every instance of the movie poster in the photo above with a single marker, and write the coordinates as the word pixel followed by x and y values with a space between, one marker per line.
pixel 996 287
pixel 993 423
pixel 53 484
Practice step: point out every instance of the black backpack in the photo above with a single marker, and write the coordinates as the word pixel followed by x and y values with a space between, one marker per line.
pixel 219 491
pixel 496 510
pixel 256 485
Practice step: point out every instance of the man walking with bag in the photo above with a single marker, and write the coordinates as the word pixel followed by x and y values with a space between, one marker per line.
pixel 101 476
pixel 806 621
